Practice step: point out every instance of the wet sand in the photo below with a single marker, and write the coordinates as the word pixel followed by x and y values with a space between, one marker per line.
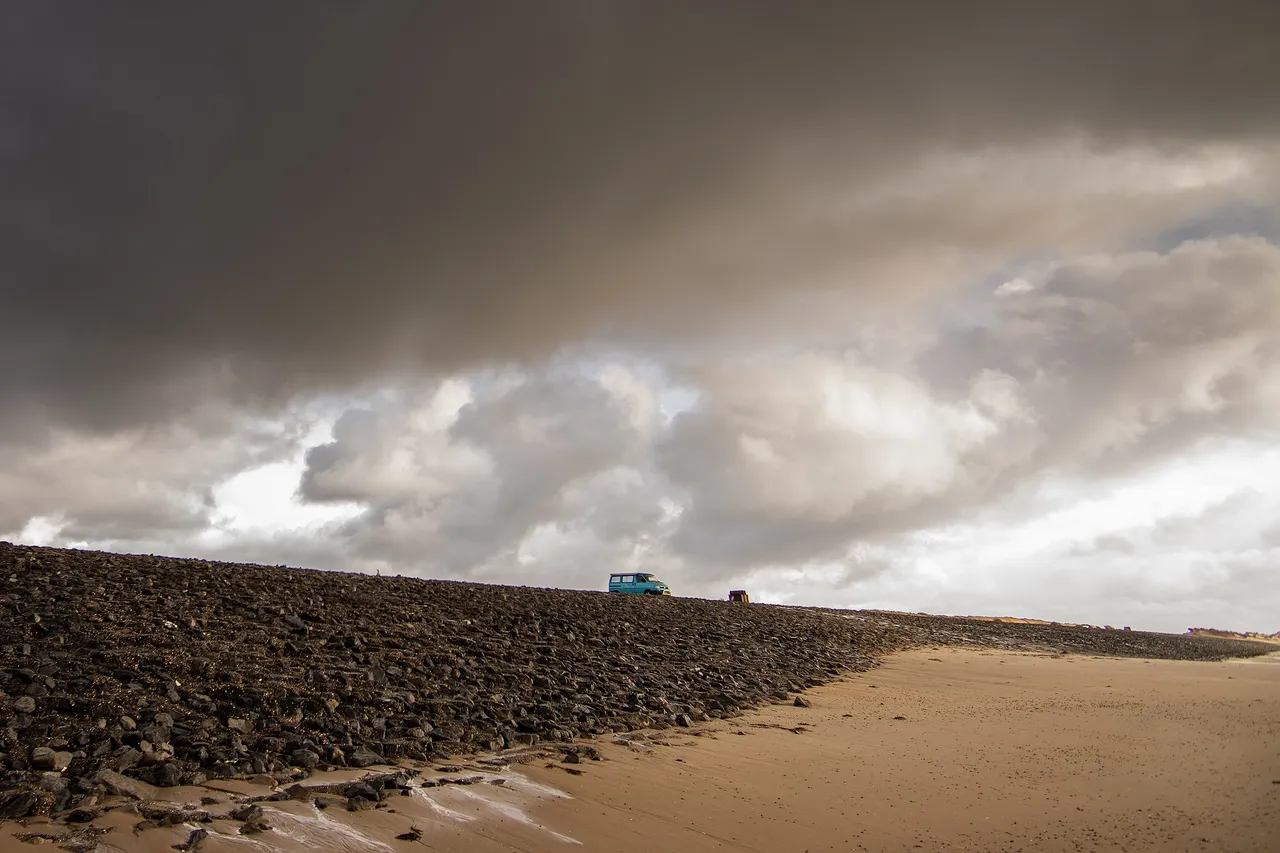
pixel 995 751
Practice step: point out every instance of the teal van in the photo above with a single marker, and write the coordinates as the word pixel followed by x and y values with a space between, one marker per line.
pixel 638 583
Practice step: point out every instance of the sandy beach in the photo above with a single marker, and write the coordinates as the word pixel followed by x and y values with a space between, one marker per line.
pixel 939 749
pixel 997 751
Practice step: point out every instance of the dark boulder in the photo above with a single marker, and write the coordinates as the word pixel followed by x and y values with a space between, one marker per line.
pixel 16 804
pixel 166 774
pixel 305 758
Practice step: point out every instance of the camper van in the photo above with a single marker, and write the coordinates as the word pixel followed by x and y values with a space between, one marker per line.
pixel 638 583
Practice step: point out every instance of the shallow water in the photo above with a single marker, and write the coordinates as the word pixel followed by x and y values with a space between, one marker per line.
pixel 509 810
pixel 487 811
pixel 315 831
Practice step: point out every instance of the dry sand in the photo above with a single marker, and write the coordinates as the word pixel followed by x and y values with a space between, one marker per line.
pixel 996 751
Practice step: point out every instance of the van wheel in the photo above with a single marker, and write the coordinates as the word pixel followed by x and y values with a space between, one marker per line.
pixel 650 592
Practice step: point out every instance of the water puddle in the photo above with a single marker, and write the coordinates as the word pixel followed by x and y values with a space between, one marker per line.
pixel 476 807
pixel 321 832
pixel 315 831
pixel 511 811
pixel 437 807
pixel 509 800
pixel 524 783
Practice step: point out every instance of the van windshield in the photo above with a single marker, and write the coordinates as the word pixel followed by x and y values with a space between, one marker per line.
pixel 647 579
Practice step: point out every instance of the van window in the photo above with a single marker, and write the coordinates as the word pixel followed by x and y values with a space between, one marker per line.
pixel 628 579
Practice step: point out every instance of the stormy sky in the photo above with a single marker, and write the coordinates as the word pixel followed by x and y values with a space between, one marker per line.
pixel 959 307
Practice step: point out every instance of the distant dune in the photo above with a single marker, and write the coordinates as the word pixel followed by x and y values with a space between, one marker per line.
pixel 1235 635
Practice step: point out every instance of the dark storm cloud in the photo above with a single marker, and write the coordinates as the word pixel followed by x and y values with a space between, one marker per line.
pixel 245 199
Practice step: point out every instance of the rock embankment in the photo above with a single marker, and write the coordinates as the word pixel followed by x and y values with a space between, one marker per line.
pixel 117 668
pixel 176 671
pixel 924 629
pixel 1235 635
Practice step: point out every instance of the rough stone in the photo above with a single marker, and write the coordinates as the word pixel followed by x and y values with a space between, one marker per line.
pixel 194 840
pixel 122 786
pixel 297 792
pixel 247 813
pixel 304 758
pixel 42 758
pixel 361 790
pixel 362 756
pixel 166 774
pixel 16 804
